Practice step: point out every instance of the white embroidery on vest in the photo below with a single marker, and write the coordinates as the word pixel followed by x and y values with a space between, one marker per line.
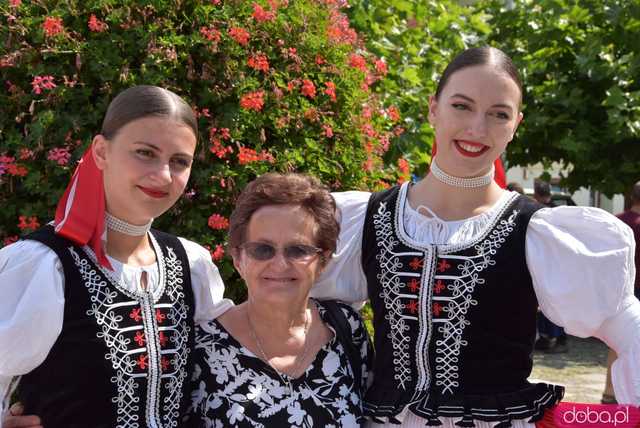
pixel 392 291
pixel 462 286
pixel 125 357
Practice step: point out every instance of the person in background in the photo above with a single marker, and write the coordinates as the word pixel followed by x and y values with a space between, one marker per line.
pixel 514 186
pixel 553 338
pixel 98 310
pixel 631 218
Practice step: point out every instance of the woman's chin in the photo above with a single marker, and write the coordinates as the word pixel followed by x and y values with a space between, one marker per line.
pixel 277 292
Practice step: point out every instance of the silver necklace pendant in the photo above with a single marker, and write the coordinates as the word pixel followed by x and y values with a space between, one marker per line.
pixel 121 226
pixel 462 182
pixel 288 381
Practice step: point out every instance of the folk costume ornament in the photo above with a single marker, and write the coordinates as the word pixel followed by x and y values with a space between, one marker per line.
pixel 80 214
pixel 463 182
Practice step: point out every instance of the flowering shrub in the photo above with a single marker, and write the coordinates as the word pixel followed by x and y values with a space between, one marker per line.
pixel 276 85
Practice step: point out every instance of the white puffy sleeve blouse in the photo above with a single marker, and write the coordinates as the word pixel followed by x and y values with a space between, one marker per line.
pixel 581 261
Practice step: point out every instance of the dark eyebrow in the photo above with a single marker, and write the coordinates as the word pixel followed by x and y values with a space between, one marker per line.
pixel 144 143
pixel 464 97
pixel 156 148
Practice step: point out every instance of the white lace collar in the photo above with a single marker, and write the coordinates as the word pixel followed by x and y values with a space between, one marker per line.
pixel 423 230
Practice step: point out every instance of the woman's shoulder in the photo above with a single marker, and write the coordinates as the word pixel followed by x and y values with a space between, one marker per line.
pixel 28 254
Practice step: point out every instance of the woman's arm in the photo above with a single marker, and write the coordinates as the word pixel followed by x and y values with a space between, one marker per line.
pixel 582 264
pixel 31 308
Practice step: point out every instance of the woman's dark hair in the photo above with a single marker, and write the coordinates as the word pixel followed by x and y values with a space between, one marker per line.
pixel 286 189
pixel 143 101
pixel 485 55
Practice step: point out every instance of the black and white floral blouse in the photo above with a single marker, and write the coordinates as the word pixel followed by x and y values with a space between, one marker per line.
pixel 231 387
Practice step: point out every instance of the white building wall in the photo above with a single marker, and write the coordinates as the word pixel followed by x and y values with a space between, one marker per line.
pixel 583 196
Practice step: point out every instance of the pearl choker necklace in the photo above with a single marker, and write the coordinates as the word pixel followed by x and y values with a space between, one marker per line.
pixel 117 225
pixel 466 183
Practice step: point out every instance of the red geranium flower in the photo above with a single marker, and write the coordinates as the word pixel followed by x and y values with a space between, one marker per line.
pixel 331 90
pixel 240 35
pixel 96 25
pixel 210 33
pixel 52 26
pixel 42 82
pixel 357 61
pixel 259 62
pixel 261 15
pixel 218 222
pixel 308 88
pixel 252 101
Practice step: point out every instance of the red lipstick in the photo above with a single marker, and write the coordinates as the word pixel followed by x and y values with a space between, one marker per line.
pixel 154 193
pixel 468 153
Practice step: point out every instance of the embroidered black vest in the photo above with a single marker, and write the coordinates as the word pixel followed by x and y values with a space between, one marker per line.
pixel 454 324
pixel 122 359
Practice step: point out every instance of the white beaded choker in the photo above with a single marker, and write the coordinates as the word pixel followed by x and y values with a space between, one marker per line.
pixel 466 183
pixel 117 225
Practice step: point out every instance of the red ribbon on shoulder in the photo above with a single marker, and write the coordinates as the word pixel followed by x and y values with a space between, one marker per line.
pixel 499 177
pixel 81 210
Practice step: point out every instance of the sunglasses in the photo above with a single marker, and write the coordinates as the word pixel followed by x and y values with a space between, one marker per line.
pixel 262 251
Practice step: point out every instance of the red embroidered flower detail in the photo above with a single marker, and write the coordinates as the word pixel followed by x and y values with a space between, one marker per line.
pixel 438 286
pixel 140 340
pixel 164 362
pixel 414 285
pixel 135 314
pixel 416 263
pixel 142 361
pixel 412 306
pixel 160 317
pixel 437 308
pixel 162 338
pixel 443 265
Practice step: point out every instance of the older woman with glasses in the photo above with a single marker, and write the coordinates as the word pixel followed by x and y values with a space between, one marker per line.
pixel 280 358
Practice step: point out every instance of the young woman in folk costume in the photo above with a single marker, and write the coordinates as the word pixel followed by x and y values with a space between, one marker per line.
pixel 455 268
pixel 97 310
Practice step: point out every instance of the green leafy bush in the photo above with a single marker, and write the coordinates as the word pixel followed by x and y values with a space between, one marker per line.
pixel 580 62
pixel 277 85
